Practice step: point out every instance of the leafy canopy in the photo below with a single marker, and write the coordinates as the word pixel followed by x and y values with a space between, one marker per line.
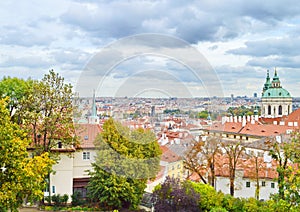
pixel 20 176
pixel 125 161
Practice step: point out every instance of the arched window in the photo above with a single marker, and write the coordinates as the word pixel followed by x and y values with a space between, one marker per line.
pixel 280 110
pixel 269 110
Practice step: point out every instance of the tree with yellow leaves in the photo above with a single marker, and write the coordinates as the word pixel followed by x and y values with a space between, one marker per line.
pixel 21 177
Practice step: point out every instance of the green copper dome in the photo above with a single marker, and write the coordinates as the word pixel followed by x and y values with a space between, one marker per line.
pixel 277 93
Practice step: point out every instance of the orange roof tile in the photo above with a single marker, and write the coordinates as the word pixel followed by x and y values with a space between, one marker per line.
pixel 87 134
pixel 168 155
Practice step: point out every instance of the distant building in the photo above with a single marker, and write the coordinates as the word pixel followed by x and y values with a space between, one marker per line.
pixel 276 101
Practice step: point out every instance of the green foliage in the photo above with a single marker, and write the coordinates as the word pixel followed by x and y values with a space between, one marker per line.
pixel 241 111
pixel 77 199
pixel 17 90
pixel 171 111
pixel 218 209
pixel 203 114
pixel 47 114
pixel 209 197
pixel 56 199
pixel 125 161
pixel 287 155
pixel 20 176
pixel 64 199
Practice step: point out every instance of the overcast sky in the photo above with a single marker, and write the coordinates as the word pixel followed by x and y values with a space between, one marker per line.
pixel 240 39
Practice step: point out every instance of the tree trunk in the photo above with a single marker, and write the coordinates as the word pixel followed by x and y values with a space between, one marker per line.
pixel 232 185
pixel 257 179
pixel 212 169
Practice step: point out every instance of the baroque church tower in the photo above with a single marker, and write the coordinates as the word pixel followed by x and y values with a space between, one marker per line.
pixel 276 101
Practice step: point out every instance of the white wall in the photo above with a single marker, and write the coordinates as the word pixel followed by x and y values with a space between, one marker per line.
pixel 241 191
pixel 62 179
pixel 80 165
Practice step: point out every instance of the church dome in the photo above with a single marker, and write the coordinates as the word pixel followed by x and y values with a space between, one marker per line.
pixel 276 93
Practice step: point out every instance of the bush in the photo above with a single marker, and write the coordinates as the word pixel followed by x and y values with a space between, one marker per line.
pixel 209 197
pixel 64 199
pixel 56 199
pixel 218 209
pixel 175 196
pixel 77 199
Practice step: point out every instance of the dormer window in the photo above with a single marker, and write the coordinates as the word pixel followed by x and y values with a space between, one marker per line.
pixel 59 145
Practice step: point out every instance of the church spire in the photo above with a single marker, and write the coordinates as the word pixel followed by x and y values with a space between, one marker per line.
pixel 276 81
pixel 93 118
pixel 94 108
pixel 267 84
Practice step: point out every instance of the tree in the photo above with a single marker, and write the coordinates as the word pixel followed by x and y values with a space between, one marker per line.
pixel 173 195
pixel 201 158
pixel 287 155
pixel 47 116
pixel 210 198
pixel 255 166
pixel 203 114
pixel 47 113
pixel 233 151
pixel 17 90
pixel 125 161
pixel 20 176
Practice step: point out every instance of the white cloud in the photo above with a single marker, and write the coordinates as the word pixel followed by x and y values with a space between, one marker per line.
pixel 240 39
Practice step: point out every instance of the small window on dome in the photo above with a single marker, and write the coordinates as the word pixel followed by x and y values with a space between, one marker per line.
pixel 280 94
pixel 269 94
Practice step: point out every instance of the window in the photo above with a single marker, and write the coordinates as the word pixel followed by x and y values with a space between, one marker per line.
pixel 178 166
pixel 86 155
pixel 178 174
pixel 53 189
pixel 59 145
pixel 269 110
pixel 280 110
pixel 248 184
pixel 86 137
pixel 263 183
pixel 172 167
pixel 272 185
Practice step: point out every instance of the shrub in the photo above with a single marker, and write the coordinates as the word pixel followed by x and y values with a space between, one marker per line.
pixel 209 197
pixel 175 196
pixel 77 199
pixel 64 199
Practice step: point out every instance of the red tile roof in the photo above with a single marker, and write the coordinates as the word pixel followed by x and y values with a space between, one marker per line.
pixel 168 155
pixel 264 130
pixel 87 134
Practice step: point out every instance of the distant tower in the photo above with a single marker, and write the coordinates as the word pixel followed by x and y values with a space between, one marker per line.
pixel 152 111
pixel 276 101
pixel 93 118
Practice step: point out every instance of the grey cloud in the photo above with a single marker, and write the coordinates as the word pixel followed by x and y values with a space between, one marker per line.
pixel 26 61
pixel 287 46
pixel 285 62
pixel 24 37
pixel 71 56
pixel 192 21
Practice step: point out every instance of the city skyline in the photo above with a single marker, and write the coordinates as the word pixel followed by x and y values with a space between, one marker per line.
pixel 240 40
